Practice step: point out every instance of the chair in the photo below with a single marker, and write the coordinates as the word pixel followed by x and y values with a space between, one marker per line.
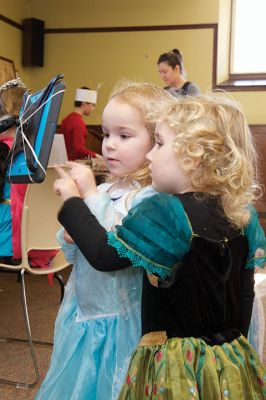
pixel 38 231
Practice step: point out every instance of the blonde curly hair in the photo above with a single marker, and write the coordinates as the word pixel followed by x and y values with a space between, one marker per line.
pixel 139 95
pixel 213 130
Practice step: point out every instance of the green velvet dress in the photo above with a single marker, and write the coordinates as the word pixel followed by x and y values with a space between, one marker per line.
pixel 197 298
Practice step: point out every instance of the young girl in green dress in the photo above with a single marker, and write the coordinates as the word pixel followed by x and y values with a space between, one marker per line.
pixel 197 242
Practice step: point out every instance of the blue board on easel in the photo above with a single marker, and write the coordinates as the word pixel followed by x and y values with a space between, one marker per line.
pixel 39 129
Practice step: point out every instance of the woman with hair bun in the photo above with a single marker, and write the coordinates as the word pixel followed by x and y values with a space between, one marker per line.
pixel 172 71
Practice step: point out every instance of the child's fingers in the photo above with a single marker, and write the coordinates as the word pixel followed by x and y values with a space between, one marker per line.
pixel 76 165
pixel 80 172
pixel 72 164
pixel 61 172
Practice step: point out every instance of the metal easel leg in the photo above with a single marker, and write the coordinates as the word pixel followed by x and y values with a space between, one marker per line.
pixel 27 325
pixel 28 330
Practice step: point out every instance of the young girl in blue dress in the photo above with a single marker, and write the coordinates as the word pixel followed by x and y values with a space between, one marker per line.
pixel 197 244
pixel 98 324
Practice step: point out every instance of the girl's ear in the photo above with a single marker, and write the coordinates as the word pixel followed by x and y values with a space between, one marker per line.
pixel 198 152
pixel 196 163
pixel 191 164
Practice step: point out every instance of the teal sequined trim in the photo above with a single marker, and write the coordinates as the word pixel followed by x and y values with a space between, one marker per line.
pixel 137 259
pixel 256 262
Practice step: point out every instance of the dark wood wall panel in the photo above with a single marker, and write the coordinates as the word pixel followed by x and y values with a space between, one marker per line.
pixel 94 138
pixel 259 132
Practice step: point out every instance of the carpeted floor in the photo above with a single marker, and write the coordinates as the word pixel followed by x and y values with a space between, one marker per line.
pixel 15 359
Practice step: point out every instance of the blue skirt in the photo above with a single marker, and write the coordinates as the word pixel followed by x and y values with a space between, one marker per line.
pixel 90 357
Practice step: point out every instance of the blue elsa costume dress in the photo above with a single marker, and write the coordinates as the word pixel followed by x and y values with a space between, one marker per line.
pixel 98 324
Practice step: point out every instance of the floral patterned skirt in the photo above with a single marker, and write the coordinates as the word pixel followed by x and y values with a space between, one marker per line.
pixel 189 369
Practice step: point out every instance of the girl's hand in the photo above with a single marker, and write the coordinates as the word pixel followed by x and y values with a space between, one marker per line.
pixel 68 238
pixel 259 253
pixel 65 186
pixel 83 176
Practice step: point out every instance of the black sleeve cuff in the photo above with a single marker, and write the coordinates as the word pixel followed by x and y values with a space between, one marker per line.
pixel 89 236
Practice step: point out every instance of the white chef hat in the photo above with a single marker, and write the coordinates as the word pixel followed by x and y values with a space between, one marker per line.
pixel 86 95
